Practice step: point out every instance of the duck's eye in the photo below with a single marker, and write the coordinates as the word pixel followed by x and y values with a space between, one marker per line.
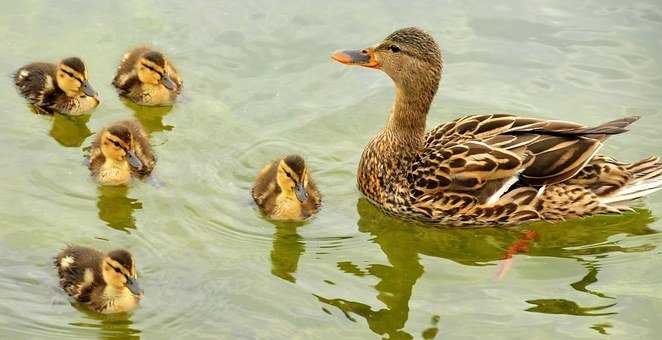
pixel 117 270
pixel 115 143
pixel 288 174
pixel 394 48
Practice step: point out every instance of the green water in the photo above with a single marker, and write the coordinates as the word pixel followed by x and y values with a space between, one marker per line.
pixel 259 83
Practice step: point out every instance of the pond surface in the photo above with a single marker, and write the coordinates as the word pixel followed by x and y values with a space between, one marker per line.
pixel 259 83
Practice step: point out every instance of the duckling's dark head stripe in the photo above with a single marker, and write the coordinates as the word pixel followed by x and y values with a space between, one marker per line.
pixel 296 163
pixel 121 132
pixel 123 257
pixel 75 64
pixel 155 57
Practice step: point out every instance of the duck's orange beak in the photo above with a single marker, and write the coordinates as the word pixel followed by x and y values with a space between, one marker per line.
pixel 364 57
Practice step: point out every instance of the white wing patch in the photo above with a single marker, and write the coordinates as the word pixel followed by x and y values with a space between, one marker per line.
pixel 495 197
pixel 23 74
pixel 48 83
pixel 66 261
pixel 122 79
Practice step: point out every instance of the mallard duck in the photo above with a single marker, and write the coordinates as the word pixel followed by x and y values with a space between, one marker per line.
pixel 147 77
pixel 484 169
pixel 107 283
pixel 284 190
pixel 62 88
pixel 120 152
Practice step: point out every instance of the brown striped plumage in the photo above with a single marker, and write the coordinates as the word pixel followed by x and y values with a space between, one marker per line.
pixel 104 282
pixel 147 77
pixel 484 169
pixel 275 190
pixel 62 88
pixel 111 151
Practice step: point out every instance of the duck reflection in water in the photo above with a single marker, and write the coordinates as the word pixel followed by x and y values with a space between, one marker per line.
pixel 70 131
pixel 110 326
pixel 151 117
pixel 116 209
pixel 286 249
pixel 403 243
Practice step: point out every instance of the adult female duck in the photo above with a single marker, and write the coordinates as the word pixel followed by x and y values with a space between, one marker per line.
pixel 484 169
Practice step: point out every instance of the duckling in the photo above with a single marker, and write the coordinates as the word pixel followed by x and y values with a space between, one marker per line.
pixel 120 152
pixel 107 283
pixel 284 190
pixel 147 77
pixel 62 88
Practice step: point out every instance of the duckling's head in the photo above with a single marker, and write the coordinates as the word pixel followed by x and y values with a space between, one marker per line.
pixel 117 144
pixel 292 177
pixel 72 78
pixel 151 69
pixel 410 56
pixel 119 271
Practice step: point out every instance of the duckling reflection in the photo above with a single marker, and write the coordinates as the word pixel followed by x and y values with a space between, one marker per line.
pixel 402 243
pixel 151 117
pixel 110 326
pixel 70 131
pixel 286 249
pixel 116 209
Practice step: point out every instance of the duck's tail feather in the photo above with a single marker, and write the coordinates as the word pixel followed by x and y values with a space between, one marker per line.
pixel 647 179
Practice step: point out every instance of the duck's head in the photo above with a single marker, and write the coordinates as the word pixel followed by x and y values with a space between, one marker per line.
pixel 72 78
pixel 410 56
pixel 117 144
pixel 151 69
pixel 119 271
pixel 292 177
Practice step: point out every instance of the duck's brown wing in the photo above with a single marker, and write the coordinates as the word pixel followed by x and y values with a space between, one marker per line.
pixel 484 155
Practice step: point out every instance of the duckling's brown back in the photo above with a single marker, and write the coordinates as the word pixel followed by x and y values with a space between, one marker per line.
pixel 72 263
pixel 265 190
pixel 35 82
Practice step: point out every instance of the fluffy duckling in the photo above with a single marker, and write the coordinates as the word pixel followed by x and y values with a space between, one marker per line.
pixel 284 190
pixel 120 152
pixel 147 77
pixel 107 283
pixel 60 88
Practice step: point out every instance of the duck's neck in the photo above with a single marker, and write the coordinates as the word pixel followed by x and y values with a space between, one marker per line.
pixel 389 154
pixel 410 110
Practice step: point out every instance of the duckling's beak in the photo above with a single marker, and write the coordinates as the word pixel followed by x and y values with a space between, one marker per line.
pixel 134 161
pixel 167 82
pixel 88 89
pixel 301 193
pixel 133 286
pixel 364 57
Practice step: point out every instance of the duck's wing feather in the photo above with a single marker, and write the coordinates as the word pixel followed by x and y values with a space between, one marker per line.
pixel 483 155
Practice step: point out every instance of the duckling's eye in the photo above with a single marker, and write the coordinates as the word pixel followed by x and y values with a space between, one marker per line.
pixel 115 143
pixel 394 48
pixel 117 270
pixel 288 174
